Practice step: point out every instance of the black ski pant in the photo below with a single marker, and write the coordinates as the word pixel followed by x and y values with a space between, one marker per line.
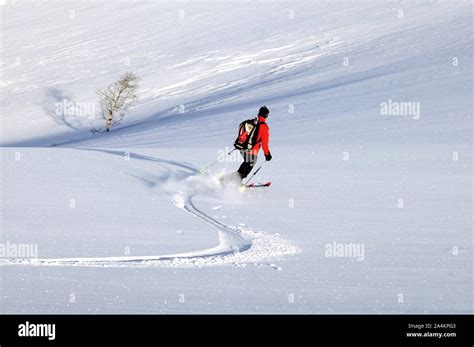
pixel 249 162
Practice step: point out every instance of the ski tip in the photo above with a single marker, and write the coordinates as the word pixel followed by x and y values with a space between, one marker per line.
pixel 258 185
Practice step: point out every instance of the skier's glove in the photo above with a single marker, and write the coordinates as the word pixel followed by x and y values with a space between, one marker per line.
pixel 268 156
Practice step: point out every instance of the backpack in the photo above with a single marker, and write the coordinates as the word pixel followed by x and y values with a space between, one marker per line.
pixel 248 134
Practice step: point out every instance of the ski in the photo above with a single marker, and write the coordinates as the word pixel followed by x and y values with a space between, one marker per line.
pixel 258 185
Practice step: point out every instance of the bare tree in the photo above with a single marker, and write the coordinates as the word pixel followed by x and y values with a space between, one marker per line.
pixel 117 98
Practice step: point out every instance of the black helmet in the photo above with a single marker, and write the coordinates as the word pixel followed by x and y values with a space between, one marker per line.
pixel 263 111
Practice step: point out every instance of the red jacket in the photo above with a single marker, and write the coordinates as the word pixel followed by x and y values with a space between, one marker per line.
pixel 263 137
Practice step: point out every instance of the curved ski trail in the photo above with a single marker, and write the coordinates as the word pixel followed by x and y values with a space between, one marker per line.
pixel 237 246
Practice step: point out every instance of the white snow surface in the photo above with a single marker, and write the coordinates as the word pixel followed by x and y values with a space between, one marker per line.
pixel 133 221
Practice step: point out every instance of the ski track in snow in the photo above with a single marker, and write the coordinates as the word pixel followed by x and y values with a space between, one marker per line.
pixel 237 246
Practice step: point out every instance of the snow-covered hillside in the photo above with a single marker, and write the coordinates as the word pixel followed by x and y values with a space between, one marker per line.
pixel 371 136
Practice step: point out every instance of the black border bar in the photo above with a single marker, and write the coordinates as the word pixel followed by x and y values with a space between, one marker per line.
pixel 243 329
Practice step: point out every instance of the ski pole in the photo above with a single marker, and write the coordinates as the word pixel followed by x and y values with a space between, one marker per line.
pixel 253 175
pixel 215 162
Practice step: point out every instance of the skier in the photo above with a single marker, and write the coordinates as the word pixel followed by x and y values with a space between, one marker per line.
pixel 263 137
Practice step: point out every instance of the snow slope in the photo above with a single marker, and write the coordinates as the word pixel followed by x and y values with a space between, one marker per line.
pixel 127 221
